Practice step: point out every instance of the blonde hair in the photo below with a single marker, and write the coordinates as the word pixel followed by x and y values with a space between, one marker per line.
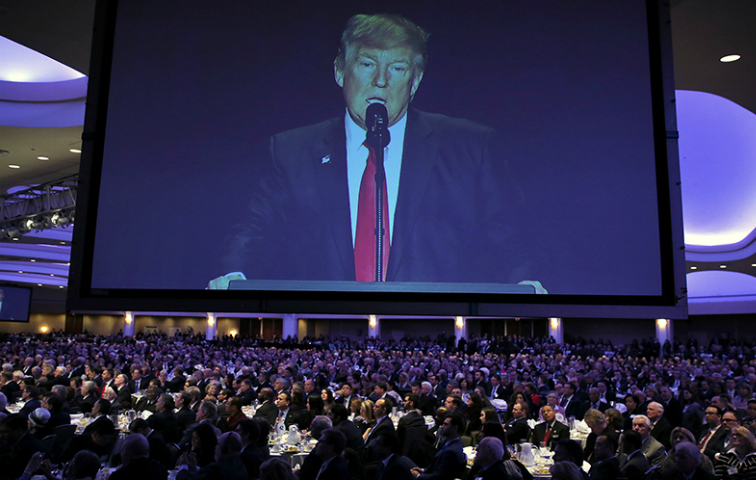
pixel 367 405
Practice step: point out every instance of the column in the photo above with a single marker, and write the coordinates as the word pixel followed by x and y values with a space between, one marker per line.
pixel 212 326
pixel 128 324
pixel 460 329
pixel 664 331
pixel 556 330
pixel 290 326
pixel 374 326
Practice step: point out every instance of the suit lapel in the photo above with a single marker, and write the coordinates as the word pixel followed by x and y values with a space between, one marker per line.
pixel 328 157
pixel 418 159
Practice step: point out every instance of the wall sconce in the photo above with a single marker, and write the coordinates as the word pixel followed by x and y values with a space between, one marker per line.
pixel 460 323
pixel 372 321
pixel 44 329
pixel 554 323
pixel 661 323
pixel 210 320
pixel 128 318
pixel 233 333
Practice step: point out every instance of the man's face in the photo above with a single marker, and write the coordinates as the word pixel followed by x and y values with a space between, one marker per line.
pixel 548 414
pixel 712 417
pixel 730 421
pixel 640 426
pixel 603 449
pixel 282 402
pixel 309 386
pixel 494 382
pixel 594 395
pixel 448 403
pixel 447 427
pixel 517 411
pixel 684 462
pixel 278 385
pixel 371 75
pixel 654 412
pixel 106 376
pixel 159 405
pixel 136 374
pixel 416 389
pixel 379 409
pixel 630 404
pixel 751 410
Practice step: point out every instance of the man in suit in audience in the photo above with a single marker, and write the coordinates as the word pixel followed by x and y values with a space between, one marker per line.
pixel 712 439
pixel 450 462
pixel 636 464
pixel 489 461
pixel 573 406
pixel 267 408
pixel 136 461
pixel 605 464
pixel 184 416
pixel 381 412
pixel 228 464
pixel 661 429
pixel 246 392
pixel 339 416
pixel 594 400
pixel 123 393
pixel 285 413
pixel 517 429
pixel 329 448
pixel 550 431
pixel 498 392
pixel 651 448
pixel 386 447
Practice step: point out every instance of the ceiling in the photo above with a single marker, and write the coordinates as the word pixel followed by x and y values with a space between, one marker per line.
pixel 703 31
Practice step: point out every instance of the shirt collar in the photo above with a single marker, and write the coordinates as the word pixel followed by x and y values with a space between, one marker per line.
pixel 355 135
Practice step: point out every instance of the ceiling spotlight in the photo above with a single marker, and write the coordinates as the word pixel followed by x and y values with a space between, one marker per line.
pixel 59 220
pixel 723 266
pixel 35 224
pixel 694 268
pixel 729 58
pixel 13 166
pixel 43 158
pixel 74 150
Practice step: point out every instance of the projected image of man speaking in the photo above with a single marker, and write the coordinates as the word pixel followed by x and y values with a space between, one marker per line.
pixel 449 211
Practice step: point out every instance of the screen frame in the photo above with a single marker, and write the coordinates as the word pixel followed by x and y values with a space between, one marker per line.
pixel 671 303
pixel 5 286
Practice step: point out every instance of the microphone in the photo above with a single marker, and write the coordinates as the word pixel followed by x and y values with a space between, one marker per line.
pixel 376 121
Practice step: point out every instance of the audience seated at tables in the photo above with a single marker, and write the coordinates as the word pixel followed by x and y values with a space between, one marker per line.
pixel 658 391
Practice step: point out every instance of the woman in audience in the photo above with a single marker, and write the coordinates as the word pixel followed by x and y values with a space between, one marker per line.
pixel 744 393
pixel 739 462
pixel 491 426
pixel 314 408
pixel 473 413
pixel 483 397
pixel 693 414
pixel 614 417
pixel 327 396
pixel 365 419
pixel 204 442
pixel 211 392
pixel 355 405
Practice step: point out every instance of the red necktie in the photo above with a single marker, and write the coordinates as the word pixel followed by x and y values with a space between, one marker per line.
pixel 365 237
pixel 548 434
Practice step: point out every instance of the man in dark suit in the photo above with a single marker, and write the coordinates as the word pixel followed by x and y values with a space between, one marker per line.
pixel 246 392
pixel 498 391
pixel 450 461
pixel 339 416
pixel 393 466
pixel 661 429
pixel 228 464
pixel 712 439
pixel 329 448
pixel 517 429
pixel 381 412
pixel 636 464
pixel 184 416
pixel 453 182
pixel 136 461
pixel 594 401
pixel 88 396
pixel 489 461
pixel 267 408
pixel 123 393
pixel 605 464
pixel 30 396
pixel 550 431
pixel 573 406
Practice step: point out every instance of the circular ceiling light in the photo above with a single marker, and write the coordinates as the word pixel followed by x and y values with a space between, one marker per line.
pixel 729 58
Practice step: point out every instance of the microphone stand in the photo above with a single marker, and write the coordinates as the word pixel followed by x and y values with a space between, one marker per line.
pixel 378 138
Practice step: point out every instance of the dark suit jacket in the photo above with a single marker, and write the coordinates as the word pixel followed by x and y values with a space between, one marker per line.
pixel 452 183
pixel 517 431
pixel 384 426
pixel 560 431
pixel 29 407
pixel 352 433
pixel 143 469
pixel 605 470
pixel 229 469
pixel 247 397
pixel 635 468
pixel 86 403
pixel 123 398
pixel 449 463
pixel 268 411
pixel 494 472
pixel 662 431
pixel 716 442
pixel 398 468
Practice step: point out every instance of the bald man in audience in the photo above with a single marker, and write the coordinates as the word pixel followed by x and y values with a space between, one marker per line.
pixel 661 429
pixel 136 463
pixel 489 462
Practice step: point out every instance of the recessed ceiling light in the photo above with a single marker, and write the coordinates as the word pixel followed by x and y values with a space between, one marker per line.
pixel 16 239
pixel 729 58
pixel 60 286
pixel 52 274
pixel 694 268
pixel 74 150
pixel 723 266
pixel 13 166
pixel 62 243
pixel 33 260
pixel 20 271
pixel 43 158
pixel 39 284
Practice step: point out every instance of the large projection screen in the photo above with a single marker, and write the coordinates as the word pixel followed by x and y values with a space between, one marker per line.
pixel 538 145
